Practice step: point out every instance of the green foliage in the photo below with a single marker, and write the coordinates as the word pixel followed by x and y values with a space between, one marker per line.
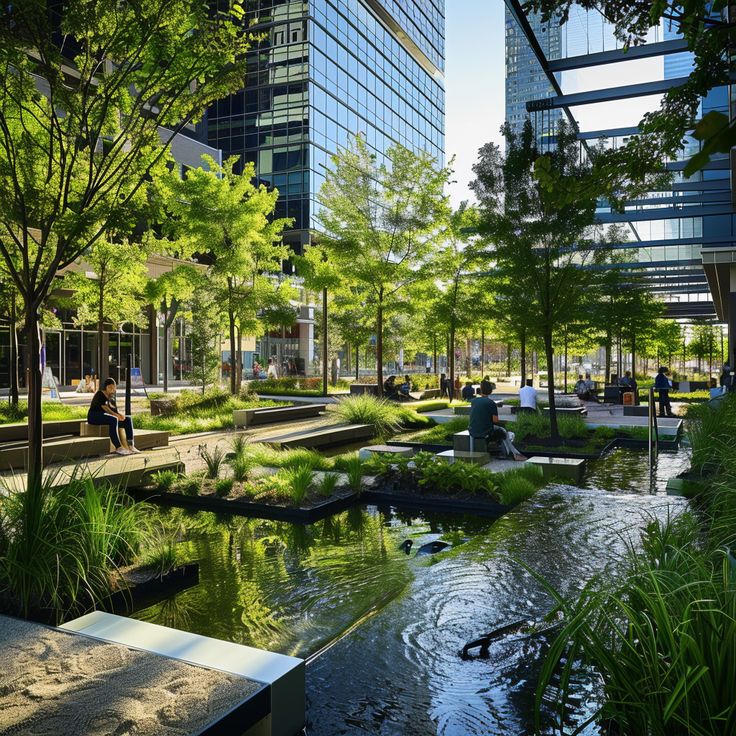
pixel 213 460
pixel 190 485
pixel 272 458
pixel 382 415
pixel 429 405
pixel 164 480
pixel 604 433
pixel 439 476
pixel 519 484
pixel 299 479
pixel 61 545
pixel 52 411
pixel 712 434
pixel 354 471
pixel 242 466
pixel 441 434
pixel 223 487
pixel 327 484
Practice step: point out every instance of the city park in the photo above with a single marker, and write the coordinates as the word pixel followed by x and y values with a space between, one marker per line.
pixel 297 525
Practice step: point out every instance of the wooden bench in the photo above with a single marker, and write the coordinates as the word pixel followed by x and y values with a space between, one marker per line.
pixel 145 439
pixel 18 431
pixel 270 415
pixel 340 434
pixel 14 455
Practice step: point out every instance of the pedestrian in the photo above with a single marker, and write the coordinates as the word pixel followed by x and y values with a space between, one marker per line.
pixel 484 424
pixel 444 386
pixel 663 385
pixel 528 398
pixel 103 411
pixel 272 372
pixel 468 391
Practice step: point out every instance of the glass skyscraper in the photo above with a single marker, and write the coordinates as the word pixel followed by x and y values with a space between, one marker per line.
pixel 326 70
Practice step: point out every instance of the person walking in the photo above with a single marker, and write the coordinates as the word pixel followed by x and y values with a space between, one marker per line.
pixel 663 385
pixel 103 411
pixel 484 423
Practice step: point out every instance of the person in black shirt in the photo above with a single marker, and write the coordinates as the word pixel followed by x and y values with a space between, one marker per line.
pixel 484 423
pixel 104 411
pixel 468 391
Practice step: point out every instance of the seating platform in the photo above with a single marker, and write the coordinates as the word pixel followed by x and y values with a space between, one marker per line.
pixel 14 455
pixel 282 676
pixel 559 467
pixel 270 415
pixel 581 410
pixel 465 456
pixel 18 431
pixel 338 434
pixel 365 452
pixel 145 439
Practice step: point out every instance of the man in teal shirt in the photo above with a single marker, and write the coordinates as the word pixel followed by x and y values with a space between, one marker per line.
pixel 484 424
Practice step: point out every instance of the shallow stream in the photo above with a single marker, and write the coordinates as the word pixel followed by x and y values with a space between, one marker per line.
pixel 382 629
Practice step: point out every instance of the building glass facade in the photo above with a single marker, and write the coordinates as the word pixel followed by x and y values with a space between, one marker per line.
pixel 324 71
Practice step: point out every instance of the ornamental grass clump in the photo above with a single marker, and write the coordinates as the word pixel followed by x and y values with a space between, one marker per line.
pixel 326 486
pixel 60 546
pixel 213 460
pixel 384 416
pixel 164 480
pixel 300 481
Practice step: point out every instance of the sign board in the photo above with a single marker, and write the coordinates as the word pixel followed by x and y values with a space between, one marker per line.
pixel 136 378
pixel 49 387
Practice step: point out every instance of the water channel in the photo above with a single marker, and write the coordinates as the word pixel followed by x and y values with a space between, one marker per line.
pixel 381 629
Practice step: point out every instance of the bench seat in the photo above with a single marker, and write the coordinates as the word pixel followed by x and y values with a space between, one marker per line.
pixel 18 431
pixel 340 434
pixel 145 439
pixel 464 456
pixel 14 455
pixel 251 417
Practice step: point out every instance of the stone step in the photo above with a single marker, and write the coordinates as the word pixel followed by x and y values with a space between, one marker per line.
pixel 268 415
pixel 15 455
pixel 18 431
pixel 145 439
pixel 476 458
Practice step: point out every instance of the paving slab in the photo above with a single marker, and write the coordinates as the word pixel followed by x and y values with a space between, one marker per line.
pixel 56 682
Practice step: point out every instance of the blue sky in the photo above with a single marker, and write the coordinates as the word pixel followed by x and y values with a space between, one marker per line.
pixel 474 83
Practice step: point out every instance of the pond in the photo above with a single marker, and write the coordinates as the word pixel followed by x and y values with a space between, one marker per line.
pixel 382 630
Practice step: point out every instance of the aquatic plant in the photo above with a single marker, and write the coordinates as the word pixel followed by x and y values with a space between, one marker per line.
pixel 59 546
pixel 299 479
pixel 354 471
pixel 326 485
pixel 439 476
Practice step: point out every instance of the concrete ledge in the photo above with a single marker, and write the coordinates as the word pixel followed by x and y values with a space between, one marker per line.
pixel 559 467
pixel 366 452
pixel 18 431
pixel 284 675
pixel 145 439
pixel 476 458
pixel 339 434
pixel 250 417
pixel 15 455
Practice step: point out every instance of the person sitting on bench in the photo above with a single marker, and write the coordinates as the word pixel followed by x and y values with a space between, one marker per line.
pixel 104 411
pixel 484 424
pixel 390 389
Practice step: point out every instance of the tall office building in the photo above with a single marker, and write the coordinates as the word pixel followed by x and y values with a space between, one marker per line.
pixel 526 79
pixel 681 238
pixel 324 71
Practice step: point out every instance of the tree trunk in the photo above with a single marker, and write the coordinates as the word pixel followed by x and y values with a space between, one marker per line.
pixel 434 354
pixel 100 335
pixel 508 360
pixel 482 352
pixel 452 359
pixel 165 360
pixel 608 356
pixel 523 357
pixel 13 351
pixel 565 359
pixel 379 346
pixel 239 364
pixel 553 429
pixel 324 342
pixel 357 363
pixel 231 327
pixel 35 424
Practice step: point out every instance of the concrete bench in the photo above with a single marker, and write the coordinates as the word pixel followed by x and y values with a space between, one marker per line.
pixel 145 439
pixel 366 452
pixel 569 410
pixel 340 434
pixel 251 417
pixel 356 389
pixel 559 467
pixel 461 442
pixel 18 431
pixel 637 411
pixel 464 456
pixel 282 676
pixel 14 455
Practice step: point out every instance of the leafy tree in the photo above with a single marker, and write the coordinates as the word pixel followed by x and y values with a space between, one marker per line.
pixel 381 224
pixel 708 31
pixel 112 292
pixel 226 215
pixel 204 335
pixel 704 343
pixel 168 292
pixel 538 243
pixel 119 81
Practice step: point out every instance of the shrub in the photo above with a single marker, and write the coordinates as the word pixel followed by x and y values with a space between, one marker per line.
pixel 240 444
pixel 327 484
pixel 572 427
pixel 241 465
pixel 441 434
pixel 190 485
pixel 515 488
pixel 604 433
pixel 223 487
pixel 382 415
pixel 164 480
pixel 410 419
pixel 213 460
pixel 438 475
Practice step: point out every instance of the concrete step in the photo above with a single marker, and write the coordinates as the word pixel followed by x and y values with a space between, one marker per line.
pixel 18 431
pixel 559 467
pixel 340 434
pixel 145 439
pixel 15 455
pixel 268 415
pixel 476 458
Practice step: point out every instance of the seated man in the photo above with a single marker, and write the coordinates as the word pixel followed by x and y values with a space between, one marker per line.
pixel 590 387
pixel 404 389
pixel 468 391
pixel 581 388
pixel 104 411
pixel 628 385
pixel 528 398
pixel 484 424
pixel 390 389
